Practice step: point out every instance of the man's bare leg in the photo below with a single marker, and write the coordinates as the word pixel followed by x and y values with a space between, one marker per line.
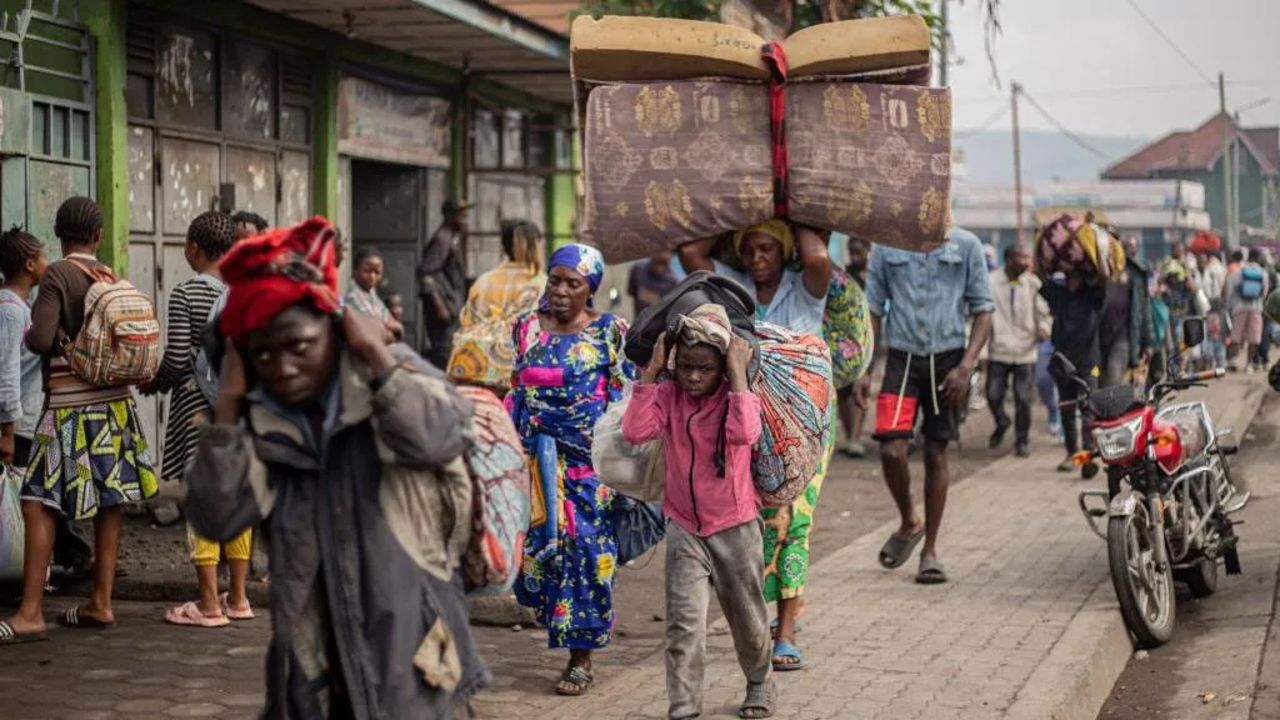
pixel 937 478
pixel 897 475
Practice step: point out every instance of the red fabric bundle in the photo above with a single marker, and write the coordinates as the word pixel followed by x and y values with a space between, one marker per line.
pixel 276 270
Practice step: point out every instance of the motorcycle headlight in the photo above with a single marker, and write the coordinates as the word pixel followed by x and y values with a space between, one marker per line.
pixel 1119 441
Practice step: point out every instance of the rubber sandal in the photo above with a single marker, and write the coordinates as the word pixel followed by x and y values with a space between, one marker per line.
pixel 73 618
pixel 577 676
pixel 898 548
pixel 931 572
pixel 9 636
pixel 189 614
pixel 784 649
pixel 233 614
pixel 760 701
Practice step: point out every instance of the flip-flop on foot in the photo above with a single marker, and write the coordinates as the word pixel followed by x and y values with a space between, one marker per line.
pixel 9 636
pixel 898 548
pixel 75 617
pixel 189 614
pixel 234 614
pixel 931 572
pixel 786 657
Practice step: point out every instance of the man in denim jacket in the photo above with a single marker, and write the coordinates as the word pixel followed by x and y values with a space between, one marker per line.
pixel 919 305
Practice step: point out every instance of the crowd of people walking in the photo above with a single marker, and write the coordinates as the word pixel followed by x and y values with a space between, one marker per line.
pixel 298 419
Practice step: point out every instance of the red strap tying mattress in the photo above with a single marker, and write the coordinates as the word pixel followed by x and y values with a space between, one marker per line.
pixel 776 58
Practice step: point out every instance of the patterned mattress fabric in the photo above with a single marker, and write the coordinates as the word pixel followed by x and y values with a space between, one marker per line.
pixel 670 162
pixel 792 377
pixel 500 475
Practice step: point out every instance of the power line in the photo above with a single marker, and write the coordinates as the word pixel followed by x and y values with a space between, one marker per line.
pixel 1062 129
pixel 991 120
pixel 1172 44
pixel 1084 94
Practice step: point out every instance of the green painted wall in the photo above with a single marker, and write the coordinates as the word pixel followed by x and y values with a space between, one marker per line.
pixel 106 22
pixel 562 201
pixel 1252 188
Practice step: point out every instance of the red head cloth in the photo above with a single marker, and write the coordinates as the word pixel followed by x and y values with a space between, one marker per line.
pixel 271 272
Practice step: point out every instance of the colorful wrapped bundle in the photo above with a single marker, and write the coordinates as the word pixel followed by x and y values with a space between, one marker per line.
pixel 846 326
pixel 792 377
pixel 671 162
pixel 1069 244
pixel 500 475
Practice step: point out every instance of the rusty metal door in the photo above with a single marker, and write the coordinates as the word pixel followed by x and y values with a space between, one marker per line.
pixel 388 211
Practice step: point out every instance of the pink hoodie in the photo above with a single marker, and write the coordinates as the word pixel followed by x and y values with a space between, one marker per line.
pixel 696 497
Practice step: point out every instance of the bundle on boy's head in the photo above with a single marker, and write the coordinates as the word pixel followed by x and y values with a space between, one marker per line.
pixel 706 324
pixel 272 272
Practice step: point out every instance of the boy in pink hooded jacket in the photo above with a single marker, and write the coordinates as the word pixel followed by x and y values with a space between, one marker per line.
pixel 708 419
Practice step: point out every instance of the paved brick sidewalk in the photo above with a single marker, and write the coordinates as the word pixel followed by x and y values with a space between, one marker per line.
pixel 1022 565
pixel 143 669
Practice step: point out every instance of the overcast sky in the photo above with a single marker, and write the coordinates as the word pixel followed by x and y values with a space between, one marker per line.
pixel 1099 68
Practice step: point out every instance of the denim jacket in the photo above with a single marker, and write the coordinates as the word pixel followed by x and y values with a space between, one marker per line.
pixel 21 390
pixel 925 299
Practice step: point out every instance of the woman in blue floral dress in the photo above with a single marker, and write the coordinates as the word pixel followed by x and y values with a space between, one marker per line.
pixel 568 367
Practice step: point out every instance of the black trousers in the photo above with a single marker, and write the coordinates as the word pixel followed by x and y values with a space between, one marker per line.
pixel 1071 434
pixel 1024 386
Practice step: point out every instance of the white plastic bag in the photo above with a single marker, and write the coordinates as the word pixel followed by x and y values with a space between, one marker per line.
pixel 12 527
pixel 622 466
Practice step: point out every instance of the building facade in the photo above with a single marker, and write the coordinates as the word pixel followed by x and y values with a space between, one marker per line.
pixel 372 114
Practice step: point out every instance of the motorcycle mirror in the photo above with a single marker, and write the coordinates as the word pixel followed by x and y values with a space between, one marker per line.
pixel 1060 368
pixel 1193 331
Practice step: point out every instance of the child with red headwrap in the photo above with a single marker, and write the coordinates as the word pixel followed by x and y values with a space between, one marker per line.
pixel 349 452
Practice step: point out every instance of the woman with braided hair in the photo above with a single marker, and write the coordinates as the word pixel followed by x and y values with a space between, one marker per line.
pixel 209 237
pixel 89 456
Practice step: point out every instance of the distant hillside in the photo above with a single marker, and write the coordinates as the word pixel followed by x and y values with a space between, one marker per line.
pixel 988 156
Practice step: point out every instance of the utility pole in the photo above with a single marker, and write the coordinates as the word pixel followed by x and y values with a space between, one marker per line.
pixel 1227 132
pixel 946 44
pixel 1177 196
pixel 1017 162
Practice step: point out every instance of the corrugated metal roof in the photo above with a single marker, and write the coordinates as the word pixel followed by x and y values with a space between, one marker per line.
pixel 493 41
pixel 1198 149
pixel 552 14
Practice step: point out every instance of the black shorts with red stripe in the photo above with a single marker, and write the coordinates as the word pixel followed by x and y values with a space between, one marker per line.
pixel 913 385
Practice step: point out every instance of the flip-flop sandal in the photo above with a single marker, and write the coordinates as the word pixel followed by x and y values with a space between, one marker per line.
pixel 577 676
pixel 898 548
pixel 784 649
pixel 233 614
pixel 73 618
pixel 9 636
pixel 931 572
pixel 189 614
pixel 760 701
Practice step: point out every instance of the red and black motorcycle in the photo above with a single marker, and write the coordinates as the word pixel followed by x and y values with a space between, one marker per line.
pixel 1169 496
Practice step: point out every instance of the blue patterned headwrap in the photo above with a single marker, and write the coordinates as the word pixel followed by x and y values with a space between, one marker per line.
pixel 584 260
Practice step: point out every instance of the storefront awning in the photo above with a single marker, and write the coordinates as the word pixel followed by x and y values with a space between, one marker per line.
pixel 492 42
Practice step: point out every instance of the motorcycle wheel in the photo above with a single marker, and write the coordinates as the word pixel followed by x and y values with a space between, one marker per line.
pixel 1201 578
pixel 1145 593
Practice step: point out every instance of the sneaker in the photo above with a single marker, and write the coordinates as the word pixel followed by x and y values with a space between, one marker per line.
pixel 1054 430
pixel 1067 465
pixel 854 449
pixel 1022 450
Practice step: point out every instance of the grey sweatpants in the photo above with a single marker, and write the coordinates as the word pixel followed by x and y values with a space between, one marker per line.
pixel 731 562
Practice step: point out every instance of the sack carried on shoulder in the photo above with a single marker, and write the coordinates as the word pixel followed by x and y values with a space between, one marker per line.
pixel 846 326
pixel 500 480
pixel 119 343
pixel 791 374
pixel 622 466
